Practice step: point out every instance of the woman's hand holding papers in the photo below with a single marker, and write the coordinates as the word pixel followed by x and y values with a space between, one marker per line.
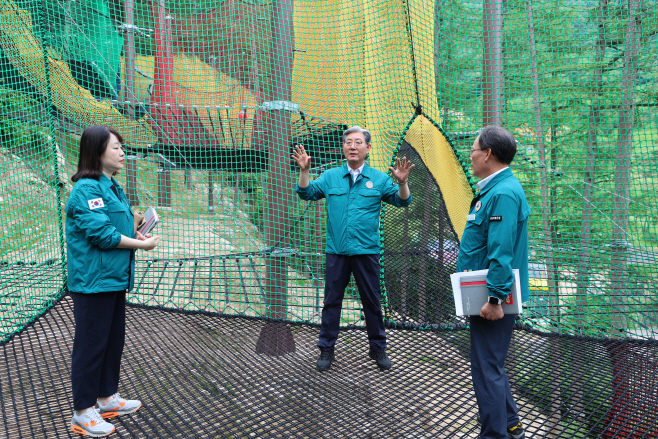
pixel 141 242
pixel 149 241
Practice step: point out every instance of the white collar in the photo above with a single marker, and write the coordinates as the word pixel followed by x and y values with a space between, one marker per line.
pixel 356 171
pixel 482 183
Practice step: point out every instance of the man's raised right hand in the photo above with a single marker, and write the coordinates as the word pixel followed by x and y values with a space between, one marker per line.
pixel 302 158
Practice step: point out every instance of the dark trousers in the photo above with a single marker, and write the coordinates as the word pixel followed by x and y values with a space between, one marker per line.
pixel 366 274
pixel 100 322
pixel 490 342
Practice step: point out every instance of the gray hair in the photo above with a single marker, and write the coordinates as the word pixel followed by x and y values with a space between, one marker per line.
pixel 500 141
pixel 356 129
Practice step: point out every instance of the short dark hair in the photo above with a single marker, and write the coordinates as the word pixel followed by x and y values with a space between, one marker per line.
pixel 500 141
pixel 93 144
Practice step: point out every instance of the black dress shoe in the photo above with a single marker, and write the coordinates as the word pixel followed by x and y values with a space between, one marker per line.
pixel 325 359
pixel 381 358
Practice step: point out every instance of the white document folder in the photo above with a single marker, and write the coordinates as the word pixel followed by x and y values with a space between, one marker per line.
pixel 470 292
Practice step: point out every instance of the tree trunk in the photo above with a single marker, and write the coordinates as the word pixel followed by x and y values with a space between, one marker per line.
pixel 553 285
pixel 620 281
pixel 584 260
pixel 276 338
pixel 594 120
pixel 492 77
pixel 539 136
pixel 437 36
pixel 254 70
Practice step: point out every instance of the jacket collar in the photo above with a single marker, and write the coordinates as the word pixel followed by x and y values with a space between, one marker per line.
pixel 507 173
pixel 106 182
pixel 366 172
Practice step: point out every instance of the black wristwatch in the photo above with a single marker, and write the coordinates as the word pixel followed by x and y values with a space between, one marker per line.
pixel 495 300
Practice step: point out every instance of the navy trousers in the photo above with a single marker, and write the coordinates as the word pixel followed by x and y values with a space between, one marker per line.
pixel 366 274
pixel 100 322
pixel 490 342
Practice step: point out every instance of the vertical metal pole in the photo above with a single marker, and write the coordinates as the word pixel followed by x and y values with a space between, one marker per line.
pixel 62 139
pixel 211 192
pixel 131 180
pixel 189 180
pixel 164 184
pixel 492 72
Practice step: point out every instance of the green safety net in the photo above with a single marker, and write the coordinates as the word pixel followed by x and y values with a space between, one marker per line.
pixel 211 97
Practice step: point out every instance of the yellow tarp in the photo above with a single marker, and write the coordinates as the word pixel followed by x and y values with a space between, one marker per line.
pixel 440 159
pixel 353 65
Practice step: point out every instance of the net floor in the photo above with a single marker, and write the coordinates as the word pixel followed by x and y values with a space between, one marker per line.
pixel 199 376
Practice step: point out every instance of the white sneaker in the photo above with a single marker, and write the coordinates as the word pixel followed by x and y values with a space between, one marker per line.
pixel 91 424
pixel 119 406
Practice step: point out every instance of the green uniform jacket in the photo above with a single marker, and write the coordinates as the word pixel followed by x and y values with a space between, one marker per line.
pixel 95 220
pixel 496 235
pixel 353 213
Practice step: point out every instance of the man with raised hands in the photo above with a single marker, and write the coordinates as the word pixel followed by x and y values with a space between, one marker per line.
pixel 354 194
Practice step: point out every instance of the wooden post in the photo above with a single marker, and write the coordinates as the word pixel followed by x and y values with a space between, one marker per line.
pixel 276 338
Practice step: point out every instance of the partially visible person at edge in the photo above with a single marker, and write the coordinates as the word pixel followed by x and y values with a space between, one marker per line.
pixel 101 247
pixel 354 194
pixel 495 238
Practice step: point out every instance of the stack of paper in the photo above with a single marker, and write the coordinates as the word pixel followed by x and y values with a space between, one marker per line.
pixel 471 293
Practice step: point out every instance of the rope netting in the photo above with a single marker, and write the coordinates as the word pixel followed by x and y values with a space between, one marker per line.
pixel 197 376
pixel 210 97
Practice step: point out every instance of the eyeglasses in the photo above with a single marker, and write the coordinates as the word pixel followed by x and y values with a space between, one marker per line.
pixel 357 142
pixel 470 153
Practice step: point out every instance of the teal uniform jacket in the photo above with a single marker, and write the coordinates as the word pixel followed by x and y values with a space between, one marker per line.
pixel 496 235
pixel 353 213
pixel 95 220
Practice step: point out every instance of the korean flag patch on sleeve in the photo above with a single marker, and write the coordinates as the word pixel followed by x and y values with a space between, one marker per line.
pixel 95 203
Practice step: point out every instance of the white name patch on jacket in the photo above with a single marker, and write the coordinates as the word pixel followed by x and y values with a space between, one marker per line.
pixel 96 203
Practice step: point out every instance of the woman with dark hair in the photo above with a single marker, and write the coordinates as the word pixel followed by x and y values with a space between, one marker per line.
pixel 101 246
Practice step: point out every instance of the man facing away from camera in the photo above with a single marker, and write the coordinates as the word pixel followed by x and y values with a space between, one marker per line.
pixel 495 238
pixel 354 194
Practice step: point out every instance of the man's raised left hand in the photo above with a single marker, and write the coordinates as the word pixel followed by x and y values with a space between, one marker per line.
pixel 401 173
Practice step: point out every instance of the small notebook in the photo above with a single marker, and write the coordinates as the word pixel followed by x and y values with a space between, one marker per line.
pixel 471 293
pixel 151 219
